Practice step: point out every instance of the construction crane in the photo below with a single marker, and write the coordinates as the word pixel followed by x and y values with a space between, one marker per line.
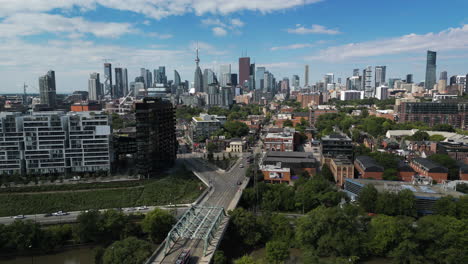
pixel 123 101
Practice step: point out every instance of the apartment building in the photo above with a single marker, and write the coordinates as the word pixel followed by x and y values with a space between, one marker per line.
pixel 454 113
pixel 155 136
pixel 203 126
pixel 54 143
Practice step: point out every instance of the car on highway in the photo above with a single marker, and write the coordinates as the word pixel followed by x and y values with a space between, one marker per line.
pixel 19 217
pixel 48 215
pixel 184 257
pixel 59 213
pixel 141 208
pixel 130 209
pixel 241 165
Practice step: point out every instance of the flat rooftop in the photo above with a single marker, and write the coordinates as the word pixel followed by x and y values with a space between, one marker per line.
pixel 432 191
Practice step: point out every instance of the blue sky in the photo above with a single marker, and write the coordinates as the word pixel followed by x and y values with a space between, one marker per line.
pixel 74 36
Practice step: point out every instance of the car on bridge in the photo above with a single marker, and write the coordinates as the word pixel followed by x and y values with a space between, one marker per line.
pixel 184 257
pixel 19 217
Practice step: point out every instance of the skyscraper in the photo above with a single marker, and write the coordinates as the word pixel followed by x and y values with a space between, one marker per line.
pixel 380 72
pixel 259 78
pixel 252 77
pixel 443 76
pixel 149 78
pixel 117 90
pixel 244 70
pixel 295 82
pixel 368 83
pixel 306 76
pixel 329 78
pixel 208 79
pixel 234 79
pixel 155 136
pixel 356 72
pixel 225 74
pixel 176 79
pixel 409 78
pixel 160 75
pixel 108 79
pixel 145 77
pixel 125 82
pixel 94 87
pixel 198 78
pixel 47 89
pixel 430 70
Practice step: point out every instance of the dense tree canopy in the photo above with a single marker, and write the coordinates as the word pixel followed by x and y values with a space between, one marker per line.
pixel 157 224
pixel 128 251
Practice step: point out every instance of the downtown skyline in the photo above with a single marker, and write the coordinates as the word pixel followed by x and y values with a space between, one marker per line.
pixel 283 37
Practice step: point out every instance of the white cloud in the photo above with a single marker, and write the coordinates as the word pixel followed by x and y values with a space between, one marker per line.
pixel 237 22
pixel 26 24
pixel 158 35
pixel 450 39
pixel 219 31
pixel 293 46
pixel 221 28
pixel 146 22
pixel 314 29
pixel 156 9
pixel 280 65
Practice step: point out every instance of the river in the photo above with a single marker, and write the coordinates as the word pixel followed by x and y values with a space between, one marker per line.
pixel 81 255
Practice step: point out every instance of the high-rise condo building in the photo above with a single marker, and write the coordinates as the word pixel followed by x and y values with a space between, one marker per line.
pixel 369 87
pixel 125 82
pixel 55 143
pixel 47 89
pixel 306 76
pixel 430 70
pixel 177 80
pixel 295 82
pixel 356 72
pixel 225 74
pixel 108 79
pixel 94 87
pixel 155 134
pixel 443 76
pixel 234 79
pixel 380 75
pixel 119 86
pixel 259 78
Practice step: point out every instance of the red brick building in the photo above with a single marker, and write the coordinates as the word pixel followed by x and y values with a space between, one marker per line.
pixel 405 171
pixel 429 168
pixel 368 168
pixel 309 99
pixel 454 113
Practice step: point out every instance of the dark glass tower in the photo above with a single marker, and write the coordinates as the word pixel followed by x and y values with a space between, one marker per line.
pixel 430 70
pixel 117 90
pixel 108 79
pixel 47 89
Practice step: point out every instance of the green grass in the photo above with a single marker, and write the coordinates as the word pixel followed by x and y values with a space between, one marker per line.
pixel 180 187
pixel 74 186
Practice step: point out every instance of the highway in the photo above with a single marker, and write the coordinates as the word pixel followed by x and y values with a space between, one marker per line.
pixel 224 187
pixel 71 216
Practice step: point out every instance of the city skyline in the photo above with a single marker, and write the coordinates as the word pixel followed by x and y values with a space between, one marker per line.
pixel 283 38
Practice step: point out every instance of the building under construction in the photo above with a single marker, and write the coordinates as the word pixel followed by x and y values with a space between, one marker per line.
pixel 155 136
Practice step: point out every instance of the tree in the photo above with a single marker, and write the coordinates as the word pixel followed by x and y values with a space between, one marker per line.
pixel 246 226
pixel 419 136
pixel 89 226
pixel 327 173
pixel 390 174
pixel 387 232
pixel 446 206
pixel 219 257
pixel 443 127
pixel 288 123
pixel 157 224
pixel 367 198
pixel 211 147
pixel 436 138
pixel 332 231
pixel 245 260
pixel 236 128
pixel 128 251
pixel 277 251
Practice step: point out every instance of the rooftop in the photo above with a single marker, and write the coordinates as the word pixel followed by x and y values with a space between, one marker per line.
pixel 432 191
pixel 430 165
pixel 369 164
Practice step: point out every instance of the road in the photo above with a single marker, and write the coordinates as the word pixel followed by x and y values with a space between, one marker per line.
pixel 225 186
pixel 71 217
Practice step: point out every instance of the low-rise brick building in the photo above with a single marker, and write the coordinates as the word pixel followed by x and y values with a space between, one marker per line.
pixel 429 168
pixel 287 140
pixel 405 171
pixel 368 168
